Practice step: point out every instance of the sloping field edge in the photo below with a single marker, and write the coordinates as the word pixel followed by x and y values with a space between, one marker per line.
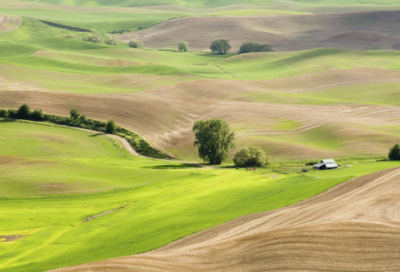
pixel 140 146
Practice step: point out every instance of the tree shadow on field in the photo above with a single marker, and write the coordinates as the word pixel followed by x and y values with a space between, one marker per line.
pixel 96 134
pixel 8 120
pixel 173 166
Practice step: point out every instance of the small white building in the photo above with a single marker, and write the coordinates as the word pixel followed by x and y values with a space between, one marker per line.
pixel 326 165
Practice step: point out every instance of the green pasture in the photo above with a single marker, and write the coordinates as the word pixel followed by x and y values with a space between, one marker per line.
pixel 40 51
pixel 55 177
pixel 98 22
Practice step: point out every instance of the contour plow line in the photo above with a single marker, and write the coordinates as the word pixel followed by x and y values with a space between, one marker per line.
pixel 352 227
pixel 8 24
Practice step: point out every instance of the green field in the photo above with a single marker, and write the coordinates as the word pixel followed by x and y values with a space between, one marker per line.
pixel 53 178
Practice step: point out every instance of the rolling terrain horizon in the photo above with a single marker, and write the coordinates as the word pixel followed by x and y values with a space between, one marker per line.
pixel 78 200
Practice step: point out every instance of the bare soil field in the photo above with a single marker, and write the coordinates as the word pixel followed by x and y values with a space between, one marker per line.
pixel 231 89
pixel 285 6
pixel 9 23
pixel 362 31
pixel 352 227
pixel 166 123
pixel 10 238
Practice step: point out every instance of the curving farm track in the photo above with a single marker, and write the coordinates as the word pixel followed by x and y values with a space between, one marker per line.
pixel 352 227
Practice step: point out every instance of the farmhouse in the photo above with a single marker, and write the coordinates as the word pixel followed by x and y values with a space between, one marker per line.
pixel 326 164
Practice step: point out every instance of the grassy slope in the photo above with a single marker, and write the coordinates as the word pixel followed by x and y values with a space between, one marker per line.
pixel 99 22
pixel 163 204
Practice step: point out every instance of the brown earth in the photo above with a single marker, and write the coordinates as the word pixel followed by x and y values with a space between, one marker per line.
pixel 283 6
pixel 360 36
pixel 352 227
pixel 10 238
pixel 166 123
pixel 363 31
pixel 8 24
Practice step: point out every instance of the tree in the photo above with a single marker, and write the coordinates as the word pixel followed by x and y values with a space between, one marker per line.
pixel 92 38
pixel 111 128
pixel 214 140
pixel 3 113
pixel 37 115
pixel 24 112
pixel 111 42
pixel 394 153
pixel 74 114
pixel 254 47
pixel 220 46
pixel 252 157
pixel 183 46
pixel 136 44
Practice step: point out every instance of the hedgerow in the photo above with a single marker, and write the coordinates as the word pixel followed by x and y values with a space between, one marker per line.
pixel 76 120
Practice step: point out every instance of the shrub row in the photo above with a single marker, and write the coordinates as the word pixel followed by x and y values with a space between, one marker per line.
pixel 92 38
pixel 77 120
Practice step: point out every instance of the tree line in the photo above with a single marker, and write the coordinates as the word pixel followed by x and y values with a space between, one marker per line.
pixel 75 119
pixel 220 46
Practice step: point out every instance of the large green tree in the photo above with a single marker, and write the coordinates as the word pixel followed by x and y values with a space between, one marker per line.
pixel 394 153
pixel 183 46
pixel 214 139
pixel 24 112
pixel 220 46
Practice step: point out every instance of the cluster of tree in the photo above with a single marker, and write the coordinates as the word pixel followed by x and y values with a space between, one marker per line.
pixel 78 120
pixel 92 38
pixel 214 140
pixel 119 31
pixel 254 47
pixel 220 46
pixel 136 44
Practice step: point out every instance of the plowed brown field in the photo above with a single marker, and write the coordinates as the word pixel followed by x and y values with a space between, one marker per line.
pixel 8 23
pixel 167 122
pixel 352 227
pixel 363 31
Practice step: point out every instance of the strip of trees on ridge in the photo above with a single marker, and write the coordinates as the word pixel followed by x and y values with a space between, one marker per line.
pixel 223 46
pixel 77 120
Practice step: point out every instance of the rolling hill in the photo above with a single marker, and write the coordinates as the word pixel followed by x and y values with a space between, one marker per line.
pixel 332 89
pixel 362 30
pixel 352 227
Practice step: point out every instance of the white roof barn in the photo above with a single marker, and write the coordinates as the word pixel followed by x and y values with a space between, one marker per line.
pixel 326 164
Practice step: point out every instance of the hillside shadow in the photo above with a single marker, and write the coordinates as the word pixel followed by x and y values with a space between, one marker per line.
pixel 96 134
pixel 8 120
pixel 173 166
